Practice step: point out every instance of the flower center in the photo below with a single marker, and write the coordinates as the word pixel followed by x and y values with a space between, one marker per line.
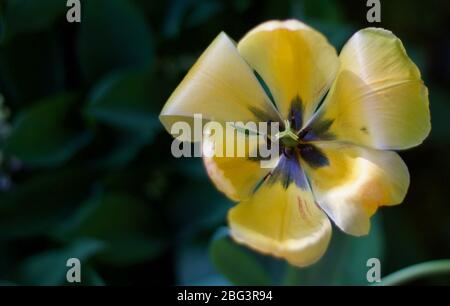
pixel 288 138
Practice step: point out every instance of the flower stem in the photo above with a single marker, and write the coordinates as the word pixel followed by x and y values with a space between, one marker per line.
pixel 435 267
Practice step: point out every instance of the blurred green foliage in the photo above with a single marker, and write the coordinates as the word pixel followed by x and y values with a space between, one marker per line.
pixel 86 169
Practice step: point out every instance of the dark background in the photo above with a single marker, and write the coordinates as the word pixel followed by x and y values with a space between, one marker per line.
pixel 86 169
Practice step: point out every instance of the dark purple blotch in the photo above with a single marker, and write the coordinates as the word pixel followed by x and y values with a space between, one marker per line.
pixel 313 156
pixel 287 171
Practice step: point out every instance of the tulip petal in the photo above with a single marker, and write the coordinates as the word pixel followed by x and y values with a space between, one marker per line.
pixel 283 221
pixel 239 173
pixel 296 62
pixel 378 99
pixel 221 87
pixel 356 182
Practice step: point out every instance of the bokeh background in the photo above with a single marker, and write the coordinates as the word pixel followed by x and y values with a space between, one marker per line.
pixel 86 169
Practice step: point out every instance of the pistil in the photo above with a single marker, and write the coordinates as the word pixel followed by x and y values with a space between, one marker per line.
pixel 288 138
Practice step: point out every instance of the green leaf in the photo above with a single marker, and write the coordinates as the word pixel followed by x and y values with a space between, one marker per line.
pixel 345 261
pixel 2 29
pixel 24 16
pixel 124 149
pixel 197 206
pixel 49 268
pixel 236 262
pixel 322 10
pixel 204 11
pixel 241 5
pixel 326 17
pixel 113 35
pixel 429 269
pixel 193 265
pixel 92 278
pixel 4 283
pixel 440 112
pixel 32 67
pixel 336 33
pixel 46 134
pixel 38 204
pixel 189 13
pixel 130 228
pixel 125 101
pixel 175 16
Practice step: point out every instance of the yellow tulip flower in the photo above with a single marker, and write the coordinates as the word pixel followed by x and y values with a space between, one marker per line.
pixel 336 158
